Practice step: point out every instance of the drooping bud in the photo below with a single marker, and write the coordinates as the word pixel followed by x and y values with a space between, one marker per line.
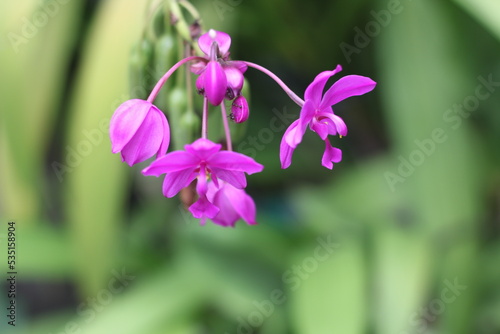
pixel 214 83
pixel 239 109
pixel 139 130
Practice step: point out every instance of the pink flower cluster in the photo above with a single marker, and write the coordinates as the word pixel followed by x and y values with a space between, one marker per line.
pixel 139 130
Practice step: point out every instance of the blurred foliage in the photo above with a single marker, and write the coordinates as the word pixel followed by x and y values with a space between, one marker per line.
pixel 403 236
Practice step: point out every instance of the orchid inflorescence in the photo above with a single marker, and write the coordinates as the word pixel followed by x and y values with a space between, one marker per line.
pixel 139 130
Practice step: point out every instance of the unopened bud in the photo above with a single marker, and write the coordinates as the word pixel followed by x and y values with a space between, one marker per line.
pixel 239 109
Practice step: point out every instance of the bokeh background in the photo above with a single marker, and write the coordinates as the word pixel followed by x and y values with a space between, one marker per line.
pixel 401 237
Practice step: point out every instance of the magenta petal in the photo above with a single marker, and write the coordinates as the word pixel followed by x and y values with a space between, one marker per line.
pixel 147 141
pixel 234 204
pixel 125 122
pixel 227 215
pixel 234 78
pixel 239 109
pixel 338 122
pixel 172 162
pixel 202 209
pixel 240 65
pixel 200 83
pixel 331 155
pixel 233 161
pixel 212 188
pixel 314 91
pixel 203 148
pixel 201 184
pixel 243 204
pixel 166 138
pixel 237 179
pixel 286 152
pixel 307 112
pixel 198 67
pixel 222 39
pixel 351 85
pixel 321 129
pixel 293 135
pixel 175 181
pixel 215 83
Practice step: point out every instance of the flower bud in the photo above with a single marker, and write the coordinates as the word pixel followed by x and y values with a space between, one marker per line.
pixel 139 130
pixel 239 109
pixel 214 83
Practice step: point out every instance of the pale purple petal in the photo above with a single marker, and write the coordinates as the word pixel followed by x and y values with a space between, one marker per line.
pixel 147 141
pixel 350 85
pixel 203 148
pixel 314 91
pixel 222 39
pixel 237 179
pixel 331 155
pixel 233 161
pixel 215 83
pixel 125 122
pixel 172 162
pixel 175 181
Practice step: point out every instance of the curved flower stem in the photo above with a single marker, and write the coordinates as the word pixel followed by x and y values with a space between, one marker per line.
pixel 273 76
pixel 226 127
pixel 164 78
pixel 189 87
pixel 204 119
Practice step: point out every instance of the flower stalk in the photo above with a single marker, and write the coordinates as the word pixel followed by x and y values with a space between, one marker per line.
pixel 139 130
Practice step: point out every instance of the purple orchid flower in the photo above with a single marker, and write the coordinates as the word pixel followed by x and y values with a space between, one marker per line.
pixel 219 78
pixel 234 204
pixel 200 160
pixel 138 130
pixel 317 112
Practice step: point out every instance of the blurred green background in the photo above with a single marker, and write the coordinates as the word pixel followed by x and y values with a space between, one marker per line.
pixel 403 236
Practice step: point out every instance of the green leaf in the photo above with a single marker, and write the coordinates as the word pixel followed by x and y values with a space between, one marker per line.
pixel 329 296
pixel 485 11
pixel 96 180
pixel 34 63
